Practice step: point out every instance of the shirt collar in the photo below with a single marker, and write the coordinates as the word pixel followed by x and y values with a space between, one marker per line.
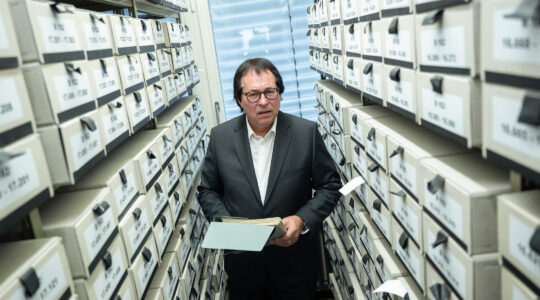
pixel 252 133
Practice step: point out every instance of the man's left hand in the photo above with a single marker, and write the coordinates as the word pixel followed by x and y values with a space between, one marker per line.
pixel 294 225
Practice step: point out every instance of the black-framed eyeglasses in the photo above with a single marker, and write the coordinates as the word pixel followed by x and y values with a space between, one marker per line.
pixel 254 96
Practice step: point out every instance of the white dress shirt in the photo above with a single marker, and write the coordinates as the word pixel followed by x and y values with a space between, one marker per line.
pixel 261 153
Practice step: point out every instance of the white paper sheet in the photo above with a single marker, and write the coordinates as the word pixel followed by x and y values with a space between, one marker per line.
pixel 394 287
pixel 351 185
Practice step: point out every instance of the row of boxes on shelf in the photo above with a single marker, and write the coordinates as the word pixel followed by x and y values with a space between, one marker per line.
pixel 57 32
pixel 498 45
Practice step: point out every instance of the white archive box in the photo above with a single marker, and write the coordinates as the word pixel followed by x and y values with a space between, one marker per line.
pixel 382 218
pixel 446 40
pixel 182 155
pixel 137 109
pixel 407 211
pixel 350 11
pixel 72 148
pixel 116 173
pixel 169 83
pixel 172 34
pixel 451 106
pixel 127 288
pixel 145 35
pixel 399 91
pixel 189 78
pixel 51 31
pixel 154 294
pixel 368 234
pixel 86 223
pixel 365 195
pixel 163 231
pixel 518 216
pixel 165 62
pixel 399 48
pixel 436 286
pixel 163 141
pixel 379 183
pixel 316 39
pixel 16 117
pixel 95 34
pixel 513 288
pixel 378 130
pixel 405 152
pixel 409 253
pixel 196 75
pixel 356 118
pixel 393 8
pixel 324 15
pixel 177 60
pixel 334 9
pixel 172 119
pixel 472 277
pixel 105 80
pixel 337 68
pixel 150 67
pixel 25 182
pixel 337 39
pixel 386 264
pixel 157 200
pixel 370 10
pixel 10 56
pixel 144 267
pixel 326 39
pixel 59 92
pixel 352 35
pixel 131 73
pixel 114 120
pixel 372 81
pixel 159 34
pixel 186 280
pixel 35 268
pixel 353 74
pixel 172 176
pixel 372 40
pixel 177 202
pixel 340 101
pixel 105 280
pixel 167 277
pixel 156 99
pixel 123 32
pixel 510 44
pixel 135 228
pixel 180 245
pixel 180 81
pixel 510 132
pixel 459 192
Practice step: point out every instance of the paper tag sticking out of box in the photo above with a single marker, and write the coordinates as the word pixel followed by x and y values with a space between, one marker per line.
pixel 394 287
pixel 351 185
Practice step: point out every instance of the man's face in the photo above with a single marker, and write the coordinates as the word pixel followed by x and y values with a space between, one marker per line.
pixel 262 113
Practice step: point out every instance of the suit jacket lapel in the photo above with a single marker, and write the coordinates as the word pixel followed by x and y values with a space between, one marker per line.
pixel 243 152
pixel 281 147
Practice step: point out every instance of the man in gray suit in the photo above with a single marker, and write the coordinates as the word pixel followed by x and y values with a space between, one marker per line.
pixel 266 163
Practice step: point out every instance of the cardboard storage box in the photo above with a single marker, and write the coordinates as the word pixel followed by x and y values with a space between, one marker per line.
pixel 369 10
pixel 105 80
pixel 472 277
pixel 10 56
pixel 353 77
pixel 131 73
pixel 510 134
pixel 144 267
pixel 127 288
pixel 399 46
pixel 95 34
pixel 172 176
pixel 59 92
pixel 156 98
pixel 326 40
pixel 163 231
pixel 145 35
pixel 409 253
pixel 372 40
pixel 136 227
pixel 138 110
pixel 16 117
pixel 177 202
pixel 518 216
pixel 372 81
pixel 150 67
pixel 123 32
pixel 512 286
pixel 157 199
pixel 177 60
pixel 334 8
pixel 180 245
pixel 379 183
pixel 172 34
pixel 386 264
pixel 436 285
pixel 72 148
pixel 337 68
pixel 167 277
pixel 86 223
pixel 181 87
pixel 447 40
pixel 340 101
pixel 51 31
pixel 459 192
pixel 170 90
pixel 407 211
pixel 324 15
pixel 352 35
pixel 113 119
pixel 165 62
pixel 350 12
pixel 337 40
pixel 159 34
pixel 356 117
pixel 368 234
pixel 105 280
pixel 36 267
pixel 172 119
pixel 399 91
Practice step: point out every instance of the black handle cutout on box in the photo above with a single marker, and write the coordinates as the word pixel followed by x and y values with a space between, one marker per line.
pixel 182 232
pixel 308 32
pixel 367 27
pixel 351 29
pixel 143 24
pixel 365 258
pixel 373 167
pixel 71 68
pixel 158 25
pixel 435 184
pixel 138 97
pixel 535 240
pixel 89 123
pixel 166 139
pixel 176 196
pixel 526 10
pixel 335 59
pixel 364 228
pixel 406 297
pixel 171 168
pixel 114 105
pixel 147 254
pixel 432 17
pixel 380 260
pixel 107 260
pixel 336 106
pixel 401 193
pixel 351 226
pixel 163 220
pixel 350 64
pixel 95 17
pixel 150 154
pixel 100 208
pixel 103 64
pixel 404 240
pixel 368 68
pixel 371 134
pixel 357 149
pixel 158 188
pixel 393 28
pixel 530 109
pixel 170 272
pixel 355 119
pixel 30 282
pixel 137 213
pixel 6 156
pixel 440 291
pixel 436 83
pixel 377 205
pixel 117 297
pixel 397 151
pixel 59 8
pixel 440 239
pixel 395 74
pixel 123 176
pixel 151 56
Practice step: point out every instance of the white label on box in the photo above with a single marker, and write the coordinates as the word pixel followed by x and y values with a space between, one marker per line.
pixel 369 7
pixel 139 112
pixel 353 78
pixel 388 4
pixel 18 177
pixel 443 110
pixel 166 150
pixel 410 260
pixel 398 46
pixel 177 131
pixel 59 34
pixel 4 42
pixel 176 207
pixel 520 137
pixel 404 172
pixel 125 192
pixel 171 88
pixel 448 264
pixel 157 203
pixel 349 6
pixel 379 183
pixel 138 231
pixel 165 234
pixel 155 96
pixel 52 282
pixel 401 94
pixel 377 150
pixel 85 145
pixel 381 270
pixel 132 72
pixel 158 34
pixel 172 178
pixel 362 192
pixel 152 69
pixel 97 233
pixel 443 47
pixel 72 90
pixel 408 218
pixel 447 210
pixel 106 82
pixel 184 251
pixel 515 40
pixel 164 61
pixel 352 41
pixel 145 37
pixel 114 123
pixel 517 294
pixel 150 168
pixel 372 84
pixel 382 222
pixel 520 235
pixel 125 37
pixel 10 103
pixel 181 84
pixel 170 285
pixel 96 35
pixel 109 279
pixel 356 131
pixel 177 59
pixel 361 164
pixel 335 12
pixel 372 43
pixel 366 240
pixel 145 272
